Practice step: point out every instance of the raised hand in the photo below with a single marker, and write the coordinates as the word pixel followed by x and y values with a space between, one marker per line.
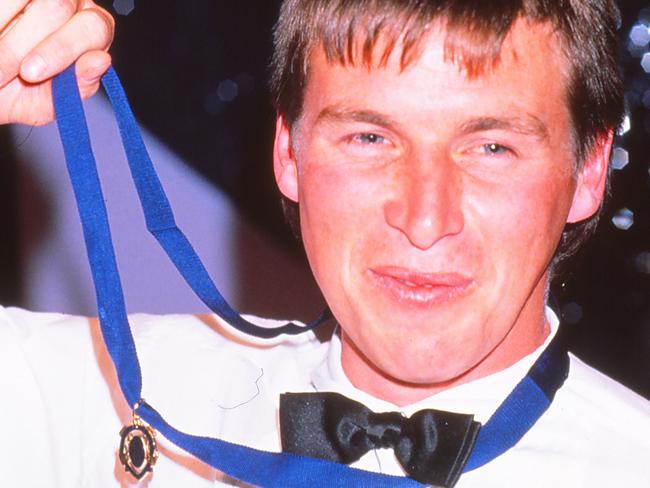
pixel 38 40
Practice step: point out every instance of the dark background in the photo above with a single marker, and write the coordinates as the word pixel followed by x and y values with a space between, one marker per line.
pixel 196 76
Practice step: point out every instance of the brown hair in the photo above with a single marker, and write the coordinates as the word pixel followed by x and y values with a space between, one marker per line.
pixel 475 31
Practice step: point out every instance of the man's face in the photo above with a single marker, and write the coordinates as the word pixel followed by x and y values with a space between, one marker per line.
pixel 431 205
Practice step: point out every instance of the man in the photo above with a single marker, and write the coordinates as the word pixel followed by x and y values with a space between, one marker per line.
pixel 436 151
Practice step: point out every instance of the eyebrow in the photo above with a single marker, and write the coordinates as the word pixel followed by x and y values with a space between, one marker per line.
pixel 526 125
pixel 338 114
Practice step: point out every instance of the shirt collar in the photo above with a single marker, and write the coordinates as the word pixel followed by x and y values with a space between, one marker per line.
pixel 480 397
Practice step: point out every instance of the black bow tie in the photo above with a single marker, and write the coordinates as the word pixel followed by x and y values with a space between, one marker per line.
pixel 432 446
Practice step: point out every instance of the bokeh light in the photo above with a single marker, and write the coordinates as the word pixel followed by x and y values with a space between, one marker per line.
pixel 640 35
pixel 645 62
pixel 642 262
pixel 124 7
pixel 623 219
pixel 620 158
pixel 227 90
pixel 625 126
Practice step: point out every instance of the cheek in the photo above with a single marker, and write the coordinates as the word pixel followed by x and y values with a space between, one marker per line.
pixel 339 203
pixel 523 219
pixel 341 221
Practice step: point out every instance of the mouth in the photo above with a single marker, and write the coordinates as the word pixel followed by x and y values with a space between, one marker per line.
pixel 419 289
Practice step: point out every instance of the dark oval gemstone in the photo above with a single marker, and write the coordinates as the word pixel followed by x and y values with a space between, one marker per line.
pixel 136 451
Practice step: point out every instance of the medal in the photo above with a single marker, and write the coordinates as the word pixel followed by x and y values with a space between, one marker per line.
pixel 138 452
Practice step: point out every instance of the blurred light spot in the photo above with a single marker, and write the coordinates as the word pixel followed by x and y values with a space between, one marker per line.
pixel 571 313
pixel 642 262
pixel 645 62
pixel 646 99
pixel 625 126
pixel 212 104
pixel 624 219
pixel 640 35
pixel 227 90
pixel 636 51
pixel 620 158
pixel 124 7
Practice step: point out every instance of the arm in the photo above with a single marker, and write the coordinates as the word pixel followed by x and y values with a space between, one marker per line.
pixel 38 40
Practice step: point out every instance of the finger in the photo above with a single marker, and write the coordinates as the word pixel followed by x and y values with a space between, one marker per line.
pixel 88 30
pixel 89 69
pixel 9 10
pixel 31 104
pixel 42 18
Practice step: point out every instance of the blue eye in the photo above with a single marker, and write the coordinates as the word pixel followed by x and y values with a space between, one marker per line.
pixel 494 149
pixel 370 138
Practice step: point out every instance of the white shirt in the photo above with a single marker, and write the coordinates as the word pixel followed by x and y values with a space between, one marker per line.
pixel 62 409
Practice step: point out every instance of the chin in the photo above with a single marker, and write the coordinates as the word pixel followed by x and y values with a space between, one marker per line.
pixel 426 371
pixel 421 360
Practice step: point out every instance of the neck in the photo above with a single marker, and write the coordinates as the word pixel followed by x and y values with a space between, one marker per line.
pixel 522 339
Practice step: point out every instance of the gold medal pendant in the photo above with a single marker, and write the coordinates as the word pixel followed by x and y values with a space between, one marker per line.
pixel 138 452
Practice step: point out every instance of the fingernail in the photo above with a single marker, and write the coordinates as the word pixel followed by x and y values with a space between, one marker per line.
pixel 34 66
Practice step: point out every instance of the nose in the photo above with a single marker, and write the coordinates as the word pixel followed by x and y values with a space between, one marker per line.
pixel 426 205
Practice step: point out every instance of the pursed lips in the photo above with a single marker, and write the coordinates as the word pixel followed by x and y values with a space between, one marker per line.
pixel 421 289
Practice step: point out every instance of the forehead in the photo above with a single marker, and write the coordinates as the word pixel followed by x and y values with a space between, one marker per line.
pixel 530 71
pixel 472 50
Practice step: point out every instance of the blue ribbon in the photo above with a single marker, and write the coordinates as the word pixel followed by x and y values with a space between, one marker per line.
pixel 516 415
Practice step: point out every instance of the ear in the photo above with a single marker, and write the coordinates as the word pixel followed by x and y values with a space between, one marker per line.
pixel 591 180
pixel 285 165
